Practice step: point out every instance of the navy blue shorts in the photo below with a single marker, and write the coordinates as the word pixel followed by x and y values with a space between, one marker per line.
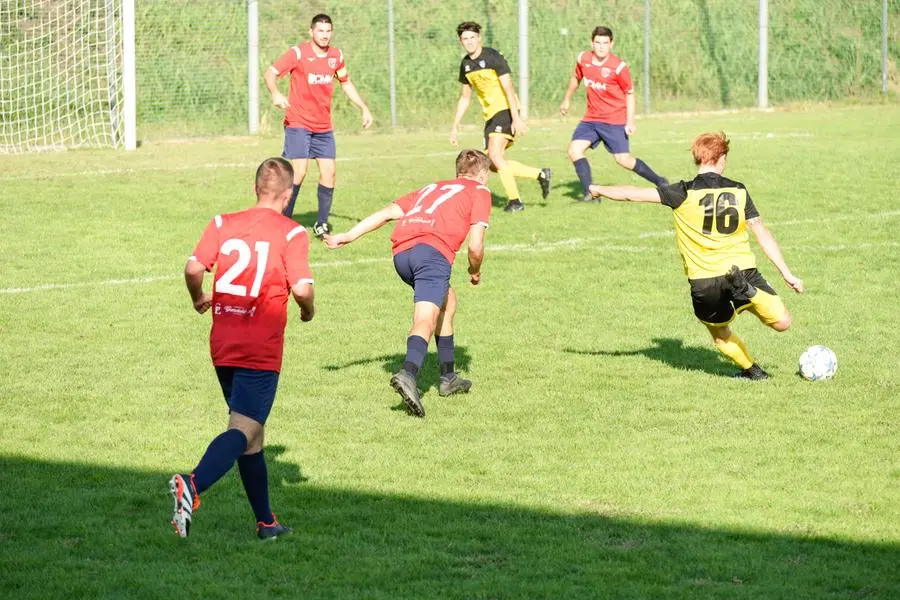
pixel 612 136
pixel 427 271
pixel 303 143
pixel 248 392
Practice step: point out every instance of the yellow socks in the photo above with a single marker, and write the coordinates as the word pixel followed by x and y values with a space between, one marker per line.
pixel 508 180
pixel 520 170
pixel 734 348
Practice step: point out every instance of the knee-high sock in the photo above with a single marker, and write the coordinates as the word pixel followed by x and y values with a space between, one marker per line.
pixel 583 170
pixel 508 181
pixel 523 171
pixel 255 477
pixel 289 209
pixel 735 349
pixel 219 458
pixel 445 350
pixel 641 168
pixel 326 196
pixel 416 349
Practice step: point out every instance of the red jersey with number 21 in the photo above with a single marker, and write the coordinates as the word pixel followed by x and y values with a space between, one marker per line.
pixel 258 255
pixel 440 215
pixel 312 85
pixel 606 84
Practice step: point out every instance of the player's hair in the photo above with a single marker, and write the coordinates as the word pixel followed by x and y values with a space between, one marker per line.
pixel 320 18
pixel 472 162
pixel 274 176
pixel 467 26
pixel 708 148
pixel 602 31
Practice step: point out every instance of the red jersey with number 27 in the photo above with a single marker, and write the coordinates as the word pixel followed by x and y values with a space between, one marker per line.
pixel 606 84
pixel 440 215
pixel 258 255
pixel 312 85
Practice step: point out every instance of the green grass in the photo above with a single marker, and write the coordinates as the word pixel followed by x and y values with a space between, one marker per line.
pixel 603 452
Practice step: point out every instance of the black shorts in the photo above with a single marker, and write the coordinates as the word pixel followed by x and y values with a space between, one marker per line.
pixel 712 299
pixel 499 124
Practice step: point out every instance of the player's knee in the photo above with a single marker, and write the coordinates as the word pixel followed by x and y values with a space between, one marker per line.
pixel 783 323
pixel 625 160
pixel 575 153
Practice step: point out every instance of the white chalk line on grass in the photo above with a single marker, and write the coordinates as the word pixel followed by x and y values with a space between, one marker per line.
pixel 605 246
pixel 758 135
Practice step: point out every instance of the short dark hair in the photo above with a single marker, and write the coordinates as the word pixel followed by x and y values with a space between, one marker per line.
pixel 468 26
pixel 274 176
pixel 320 18
pixel 602 31
pixel 472 162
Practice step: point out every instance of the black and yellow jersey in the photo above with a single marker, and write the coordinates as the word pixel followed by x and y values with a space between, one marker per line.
pixel 483 74
pixel 711 214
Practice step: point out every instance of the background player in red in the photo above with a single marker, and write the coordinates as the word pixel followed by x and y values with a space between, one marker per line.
pixel 308 132
pixel 261 259
pixel 432 224
pixel 610 111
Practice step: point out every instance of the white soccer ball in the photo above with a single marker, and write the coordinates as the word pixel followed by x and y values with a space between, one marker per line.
pixel 817 362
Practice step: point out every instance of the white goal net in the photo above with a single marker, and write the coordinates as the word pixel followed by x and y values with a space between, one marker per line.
pixel 60 74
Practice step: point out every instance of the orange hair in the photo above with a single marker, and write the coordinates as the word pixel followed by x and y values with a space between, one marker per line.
pixel 708 148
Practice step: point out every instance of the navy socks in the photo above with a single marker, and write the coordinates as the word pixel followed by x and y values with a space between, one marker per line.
pixel 255 477
pixel 583 170
pixel 289 209
pixel 326 196
pixel 445 353
pixel 641 168
pixel 219 458
pixel 416 349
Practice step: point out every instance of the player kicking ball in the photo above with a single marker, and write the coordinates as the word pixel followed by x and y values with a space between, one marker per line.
pixel 712 214
pixel 432 224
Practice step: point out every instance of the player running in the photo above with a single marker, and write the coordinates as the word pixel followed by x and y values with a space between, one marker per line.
pixel 485 70
pixel 261 259
pixel 712 214
pixel 308 132
pixel 610 110
pixel 432 224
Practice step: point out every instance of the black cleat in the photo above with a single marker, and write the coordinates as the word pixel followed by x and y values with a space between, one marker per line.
pixel 589 198
pixel 544 180
pixel 741 289
pixel 404 383
pixel 321 229
pixel 514 206
pixel 271 531
pixel 754 373
pixel 452 383
pixel 186 502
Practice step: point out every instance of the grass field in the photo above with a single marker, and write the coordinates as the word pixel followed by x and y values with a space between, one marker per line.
pixel 604 451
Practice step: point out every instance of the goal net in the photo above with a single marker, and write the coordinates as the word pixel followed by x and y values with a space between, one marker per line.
pixel 60 74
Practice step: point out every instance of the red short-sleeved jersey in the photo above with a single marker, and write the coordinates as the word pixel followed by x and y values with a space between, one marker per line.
pixel 440 215
pixel 606 85
pixel 312 85
pixel 258 255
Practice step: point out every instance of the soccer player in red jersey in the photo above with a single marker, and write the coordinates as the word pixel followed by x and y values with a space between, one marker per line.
pixel 260 259
pixel 308 132
pixel 432 224
pixel 610 111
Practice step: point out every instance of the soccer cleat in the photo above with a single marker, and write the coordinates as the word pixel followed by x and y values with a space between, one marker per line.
pixel 271 531
pixel 514 206
pixel 405 384
pixel 544 180
pixel 452 383
pixel 741 289
pixel 754 373
pixel 187 500
pixel 321 229
pixel 588 197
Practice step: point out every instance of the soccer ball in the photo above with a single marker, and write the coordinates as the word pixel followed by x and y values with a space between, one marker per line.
pixel 817 362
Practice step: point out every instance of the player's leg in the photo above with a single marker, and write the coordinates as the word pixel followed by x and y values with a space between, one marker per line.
pixel 323 148
pixel 750 291
pixel 616 142
pixel 496 150
pixel 296 150
pixel 583 138
pixel 451 382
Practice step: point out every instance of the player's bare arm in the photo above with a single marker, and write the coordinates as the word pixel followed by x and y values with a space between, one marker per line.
pixel 304 296
pixel 518 124
pixel 354 97
pixel 626 193
pixel 391 212
pixel 770 248
pixel 476 252
pixel 278 99
pixel 630 127
pixel 462 105
pixel 193 278
pixel 567 99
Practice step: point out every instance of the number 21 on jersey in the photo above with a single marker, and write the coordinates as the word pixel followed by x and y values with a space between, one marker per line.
pixel 225 284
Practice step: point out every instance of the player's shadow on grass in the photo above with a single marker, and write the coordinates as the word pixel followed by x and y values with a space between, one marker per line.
pixel 308 219
pixel 674 353
pixel 75 530
pixel 429 374
pixel 571 189
pixel 529 199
